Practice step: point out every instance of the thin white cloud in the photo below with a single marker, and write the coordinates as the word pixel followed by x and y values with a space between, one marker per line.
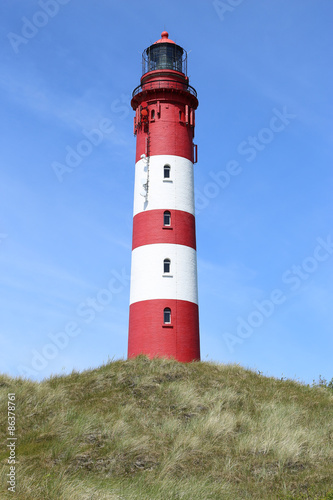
pixel 75 113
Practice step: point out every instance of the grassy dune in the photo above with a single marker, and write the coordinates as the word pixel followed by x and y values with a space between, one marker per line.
pixel 163 430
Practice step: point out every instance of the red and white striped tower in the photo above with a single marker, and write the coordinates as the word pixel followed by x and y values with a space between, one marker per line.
pixel 164 318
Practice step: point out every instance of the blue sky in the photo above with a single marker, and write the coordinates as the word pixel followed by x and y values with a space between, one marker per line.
pixel 263 73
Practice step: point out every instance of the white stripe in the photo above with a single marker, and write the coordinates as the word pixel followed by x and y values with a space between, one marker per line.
pixel 148 280
pixel 174 194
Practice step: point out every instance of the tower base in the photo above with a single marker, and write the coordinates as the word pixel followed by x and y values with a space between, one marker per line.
pixel 150 336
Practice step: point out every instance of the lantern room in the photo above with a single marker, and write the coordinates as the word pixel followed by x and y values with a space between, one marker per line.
pixel 164 54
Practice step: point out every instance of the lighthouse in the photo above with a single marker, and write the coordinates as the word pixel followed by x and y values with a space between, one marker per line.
pixel 164 315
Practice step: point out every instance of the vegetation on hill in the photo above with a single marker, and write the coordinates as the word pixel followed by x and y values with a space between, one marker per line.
pixel 162 430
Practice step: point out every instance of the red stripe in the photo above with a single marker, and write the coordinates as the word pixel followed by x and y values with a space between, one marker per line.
pixel 147 335
pixel 167 135
pixel 148 228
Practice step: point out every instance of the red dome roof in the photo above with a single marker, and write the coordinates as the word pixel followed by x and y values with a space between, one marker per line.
pixel 165 38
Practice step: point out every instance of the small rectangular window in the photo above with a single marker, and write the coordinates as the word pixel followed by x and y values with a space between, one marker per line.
pixel 167 315
pixel 167 218
pixel 167 171
pixel 166 265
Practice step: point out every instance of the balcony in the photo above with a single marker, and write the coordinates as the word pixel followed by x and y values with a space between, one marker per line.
pixel 164 84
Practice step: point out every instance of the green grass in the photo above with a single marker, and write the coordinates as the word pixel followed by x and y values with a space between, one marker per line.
pixel 163 430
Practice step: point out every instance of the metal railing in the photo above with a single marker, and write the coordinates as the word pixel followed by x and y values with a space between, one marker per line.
pixel 164 84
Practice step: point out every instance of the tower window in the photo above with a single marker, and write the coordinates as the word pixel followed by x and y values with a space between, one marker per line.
pixel 167 315
pixel 167 169
pixel 167 218
pixel 152 114
pixel 166 265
